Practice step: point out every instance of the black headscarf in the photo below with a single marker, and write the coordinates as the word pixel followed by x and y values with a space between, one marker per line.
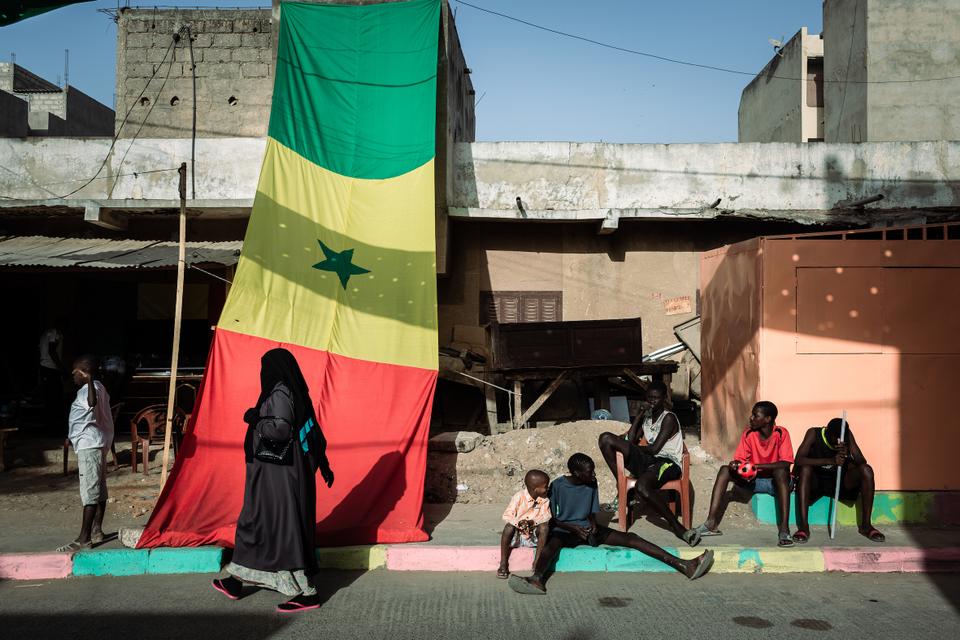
pixel 279 365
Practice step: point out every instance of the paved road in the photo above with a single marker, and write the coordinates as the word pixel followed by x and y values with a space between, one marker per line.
pixel 397 606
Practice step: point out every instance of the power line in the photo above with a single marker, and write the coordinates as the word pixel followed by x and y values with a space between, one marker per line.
pixel 116 136
pixel 685 63
pixel 54 184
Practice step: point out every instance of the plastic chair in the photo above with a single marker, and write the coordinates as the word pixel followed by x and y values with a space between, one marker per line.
pixel 147 428
pixel 680 486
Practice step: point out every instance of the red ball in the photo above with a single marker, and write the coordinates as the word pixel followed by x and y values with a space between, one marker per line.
pixel 747 471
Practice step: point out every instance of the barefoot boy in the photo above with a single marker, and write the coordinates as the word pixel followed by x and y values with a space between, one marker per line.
pixel 528 519
pixel 574 502
pixel 816 472
pixel 91 433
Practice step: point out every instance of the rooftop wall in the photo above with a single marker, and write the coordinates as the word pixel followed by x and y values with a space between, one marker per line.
pixel 770 106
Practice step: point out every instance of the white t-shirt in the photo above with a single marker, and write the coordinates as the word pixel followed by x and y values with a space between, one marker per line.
pixel 91 427
pixel 50 336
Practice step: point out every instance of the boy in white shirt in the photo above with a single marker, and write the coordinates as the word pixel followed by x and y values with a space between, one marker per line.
pixel 91 434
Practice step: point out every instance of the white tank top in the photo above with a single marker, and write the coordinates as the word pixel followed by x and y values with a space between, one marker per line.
pixel 673 449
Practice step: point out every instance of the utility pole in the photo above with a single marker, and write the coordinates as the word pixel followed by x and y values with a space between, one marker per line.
pixel 177 317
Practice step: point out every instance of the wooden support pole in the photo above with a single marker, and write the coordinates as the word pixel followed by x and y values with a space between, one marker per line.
pixel 543 397
pixel 177 317
pixel 490 399
pixel 517 404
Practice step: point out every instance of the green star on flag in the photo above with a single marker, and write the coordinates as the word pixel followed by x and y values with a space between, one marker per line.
pixel 340 263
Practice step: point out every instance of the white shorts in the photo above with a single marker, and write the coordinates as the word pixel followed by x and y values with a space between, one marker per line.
pixel 93 475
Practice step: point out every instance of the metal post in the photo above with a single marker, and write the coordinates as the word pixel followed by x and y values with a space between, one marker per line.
pixel 836 492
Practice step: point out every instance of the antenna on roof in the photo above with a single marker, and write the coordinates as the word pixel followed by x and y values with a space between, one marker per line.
pixel 66 68
pixel 777 45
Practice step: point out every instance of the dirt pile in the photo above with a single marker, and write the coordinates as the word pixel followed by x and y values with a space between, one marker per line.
pixel 494 471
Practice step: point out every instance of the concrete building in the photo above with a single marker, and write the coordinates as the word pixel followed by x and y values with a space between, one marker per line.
pixel 882 70
pixel 32 106
pixel 535 231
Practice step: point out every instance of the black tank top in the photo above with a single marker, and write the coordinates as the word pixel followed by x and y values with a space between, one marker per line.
pixel 820 448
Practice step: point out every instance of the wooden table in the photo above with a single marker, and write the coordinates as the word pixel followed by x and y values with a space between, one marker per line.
pixel 598 375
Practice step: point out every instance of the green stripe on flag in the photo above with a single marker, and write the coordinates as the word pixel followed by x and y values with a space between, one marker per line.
pixel 361 102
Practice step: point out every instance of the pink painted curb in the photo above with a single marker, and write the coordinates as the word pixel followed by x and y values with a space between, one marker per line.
pixel 35 566
pixel 892 560
pixel 435 558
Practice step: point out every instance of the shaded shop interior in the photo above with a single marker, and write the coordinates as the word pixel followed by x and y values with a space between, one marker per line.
pixel 112 297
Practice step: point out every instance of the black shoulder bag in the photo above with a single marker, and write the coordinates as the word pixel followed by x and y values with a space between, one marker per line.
pixel 274 451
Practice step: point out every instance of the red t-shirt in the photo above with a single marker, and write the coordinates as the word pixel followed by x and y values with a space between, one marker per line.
pixel 753 448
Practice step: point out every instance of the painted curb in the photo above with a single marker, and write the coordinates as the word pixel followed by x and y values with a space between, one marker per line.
pixel 35 566
pixel 128 562
pixel 889 507
pixel 892 560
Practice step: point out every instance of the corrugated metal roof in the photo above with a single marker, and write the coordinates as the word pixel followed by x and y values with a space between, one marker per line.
pixel 102 253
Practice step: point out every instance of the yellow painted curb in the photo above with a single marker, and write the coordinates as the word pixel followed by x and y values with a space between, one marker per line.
pixel 739 560
pixel 361 558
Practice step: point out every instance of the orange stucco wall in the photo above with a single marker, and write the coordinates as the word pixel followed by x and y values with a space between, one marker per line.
pixel 869 326
pixel 730 342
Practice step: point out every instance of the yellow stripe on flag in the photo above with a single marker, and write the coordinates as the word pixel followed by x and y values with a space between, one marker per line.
pixel 341 264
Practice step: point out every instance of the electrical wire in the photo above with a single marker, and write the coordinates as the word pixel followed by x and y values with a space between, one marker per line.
pixel 54 184
pixel 116 136
pixel 685 63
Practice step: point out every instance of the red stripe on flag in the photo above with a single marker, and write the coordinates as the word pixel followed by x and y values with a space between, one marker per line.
pixel 376 419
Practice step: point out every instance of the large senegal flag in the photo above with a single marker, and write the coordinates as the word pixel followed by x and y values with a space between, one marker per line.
pixel 338 266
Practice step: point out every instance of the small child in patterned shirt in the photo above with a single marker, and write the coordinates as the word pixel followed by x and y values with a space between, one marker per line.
pixel 528 519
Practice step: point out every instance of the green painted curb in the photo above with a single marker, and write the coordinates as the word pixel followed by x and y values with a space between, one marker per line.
pixel 111 562
pixel 889 507
pixel 187 560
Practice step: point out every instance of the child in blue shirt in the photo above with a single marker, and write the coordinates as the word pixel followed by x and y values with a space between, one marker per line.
pixel 575 502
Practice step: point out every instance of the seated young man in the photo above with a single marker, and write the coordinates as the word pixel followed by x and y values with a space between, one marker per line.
pixel 816 473
pixel 767 448
pixel 575 502
pixel 655 463
pixel 528 519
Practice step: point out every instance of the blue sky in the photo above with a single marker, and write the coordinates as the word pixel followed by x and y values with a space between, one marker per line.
pixel 532 85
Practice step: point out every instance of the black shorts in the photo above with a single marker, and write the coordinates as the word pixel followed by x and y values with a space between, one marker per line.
pixel 824 482
pixel 570 539
pixel 638 462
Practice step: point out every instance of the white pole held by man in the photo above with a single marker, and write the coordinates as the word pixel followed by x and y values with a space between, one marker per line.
pixel 836 491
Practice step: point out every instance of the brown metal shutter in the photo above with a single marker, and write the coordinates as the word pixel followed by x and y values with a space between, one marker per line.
pixel 521 306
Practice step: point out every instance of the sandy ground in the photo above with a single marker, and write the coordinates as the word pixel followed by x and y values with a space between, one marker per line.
pixel 494 471
pixel 35 491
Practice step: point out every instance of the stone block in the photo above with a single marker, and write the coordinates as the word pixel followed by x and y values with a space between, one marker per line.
pixel 255 70
pixel 246 25
pixel 185 560
pixel 257 40
pixel 142 70
pixel 215 54
pixel 134 56
pixel 360 558
pixel 157 54
pixel 225 70
pixel 202 40
pixel 455 441
pixel 134 26
pixel 183 55
pixel 226 40
pixel 142 40
pixel 246 54
pixel 111 562
pixel 218 26
pixel 889 507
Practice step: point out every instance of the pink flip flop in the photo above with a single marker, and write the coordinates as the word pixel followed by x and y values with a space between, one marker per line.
pixel 295 607
pixel 218 585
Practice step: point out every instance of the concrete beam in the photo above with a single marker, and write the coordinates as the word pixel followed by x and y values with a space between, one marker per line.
pixel 105 218
pixel 610 224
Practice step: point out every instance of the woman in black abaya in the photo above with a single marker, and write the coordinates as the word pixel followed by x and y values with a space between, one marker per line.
pixel 284 448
